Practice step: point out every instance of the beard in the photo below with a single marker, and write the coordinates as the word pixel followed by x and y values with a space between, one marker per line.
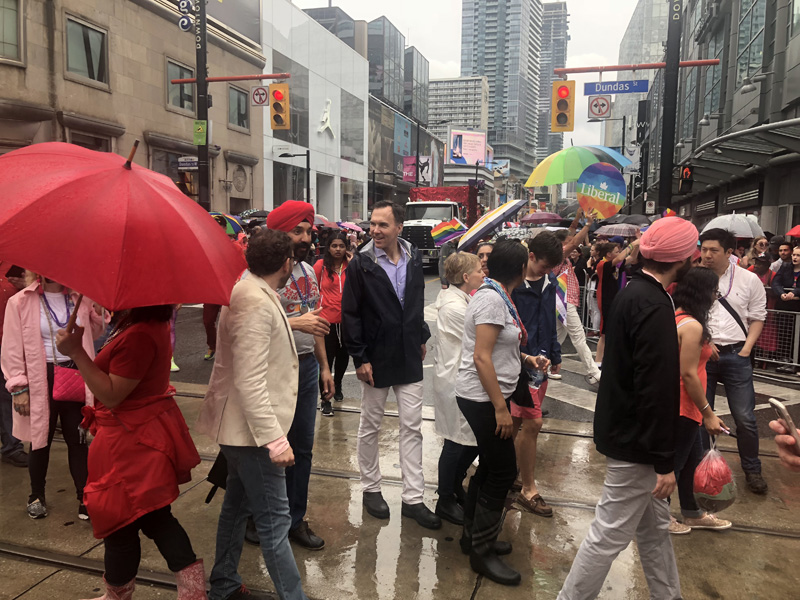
pixel 687 266
pixel 301 251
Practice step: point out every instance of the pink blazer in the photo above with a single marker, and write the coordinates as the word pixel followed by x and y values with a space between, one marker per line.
pixel 23 361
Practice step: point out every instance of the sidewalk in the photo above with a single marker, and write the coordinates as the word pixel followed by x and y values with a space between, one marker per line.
pixel 369 559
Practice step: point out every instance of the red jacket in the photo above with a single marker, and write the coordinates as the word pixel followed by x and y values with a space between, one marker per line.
pixel 331 291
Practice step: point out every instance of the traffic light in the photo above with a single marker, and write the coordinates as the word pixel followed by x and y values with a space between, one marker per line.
pixel 563 107
pixel 279 110
pixel 687 178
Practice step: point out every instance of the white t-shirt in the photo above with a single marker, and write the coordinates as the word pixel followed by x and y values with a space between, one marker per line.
pixel 59 308
pixel 488 307
pixel 303 286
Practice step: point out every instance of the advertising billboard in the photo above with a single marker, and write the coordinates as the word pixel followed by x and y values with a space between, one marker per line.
pixel 467 147
pixel 501 168
pixel 402 136
pixel 426 169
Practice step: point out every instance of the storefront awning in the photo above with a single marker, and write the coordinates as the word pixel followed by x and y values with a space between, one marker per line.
pixel 742 154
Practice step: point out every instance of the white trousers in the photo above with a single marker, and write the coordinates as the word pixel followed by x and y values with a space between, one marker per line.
pixel 627 510
pixel 577 335
pixel 409 407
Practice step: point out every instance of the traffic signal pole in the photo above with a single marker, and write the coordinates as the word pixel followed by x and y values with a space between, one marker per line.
pixel 201 58
pixel 670 102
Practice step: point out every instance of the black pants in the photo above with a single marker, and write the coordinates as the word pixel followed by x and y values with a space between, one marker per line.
pixel 497 469
pixel 338 359
pixel 688 453
pixel 123 548
pixel 77 453
pixel 454 461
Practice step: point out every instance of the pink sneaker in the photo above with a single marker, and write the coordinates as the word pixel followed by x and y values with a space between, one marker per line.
pixel 677 528
pixel 708 521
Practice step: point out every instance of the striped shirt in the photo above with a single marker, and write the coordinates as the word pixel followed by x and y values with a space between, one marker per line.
pixel 573 287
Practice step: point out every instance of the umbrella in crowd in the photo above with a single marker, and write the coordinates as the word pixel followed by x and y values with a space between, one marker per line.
pixel 254 213
pixel 636 219
pixel 119 233
pixel 620 229
pixel 739 225
pixel 489 222
pixel 570 209
pixel 350 226
pixel 540 218
pixel 321 221
pixel 567 165
pixel 794 231
pixel 233 226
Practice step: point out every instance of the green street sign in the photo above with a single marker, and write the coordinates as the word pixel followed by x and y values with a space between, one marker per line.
pixel 200 131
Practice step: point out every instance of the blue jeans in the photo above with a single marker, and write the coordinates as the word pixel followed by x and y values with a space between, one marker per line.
pixel 10 444
pixel 301 439
pixel 736 374
pixel 254 486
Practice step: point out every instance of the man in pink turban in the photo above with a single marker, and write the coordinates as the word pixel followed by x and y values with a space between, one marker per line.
pixel 637 410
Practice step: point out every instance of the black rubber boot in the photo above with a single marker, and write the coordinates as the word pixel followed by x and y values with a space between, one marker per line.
pixel 471 498
pixel 486 525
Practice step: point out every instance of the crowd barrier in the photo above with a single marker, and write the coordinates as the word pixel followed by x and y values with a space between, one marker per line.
pixel 777 346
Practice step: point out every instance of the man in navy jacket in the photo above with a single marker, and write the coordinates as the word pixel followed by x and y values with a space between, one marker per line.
pixel 536 301
pixel 385 333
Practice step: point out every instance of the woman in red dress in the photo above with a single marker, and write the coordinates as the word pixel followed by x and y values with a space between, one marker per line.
pixel 141 451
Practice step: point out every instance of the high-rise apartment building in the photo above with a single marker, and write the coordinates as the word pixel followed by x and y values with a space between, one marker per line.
pixel 386 55
pixel 555 36
pixel 502 40
pixel 643 42
pixel 339 23
pixel 462 101
pixel 415 94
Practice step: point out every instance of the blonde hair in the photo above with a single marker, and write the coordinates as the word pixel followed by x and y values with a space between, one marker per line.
pixel 458 264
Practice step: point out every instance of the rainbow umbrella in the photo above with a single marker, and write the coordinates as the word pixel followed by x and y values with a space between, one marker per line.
pixel 447 230
pixel 233 226
pixel 489 222
pixel 567 165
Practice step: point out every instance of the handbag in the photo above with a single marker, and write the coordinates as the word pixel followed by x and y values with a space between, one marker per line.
pixel 68 385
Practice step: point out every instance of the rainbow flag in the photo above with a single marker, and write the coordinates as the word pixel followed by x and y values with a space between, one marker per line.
pixel 561 298
pixel 669 213
pixel 447 230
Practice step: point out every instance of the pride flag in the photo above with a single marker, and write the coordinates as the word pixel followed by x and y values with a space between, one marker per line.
pixel 447 230
pixel 561 298
pixel 669 213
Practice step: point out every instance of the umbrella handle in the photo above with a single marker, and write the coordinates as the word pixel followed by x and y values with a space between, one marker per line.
pixel 71 324
pixel 127 164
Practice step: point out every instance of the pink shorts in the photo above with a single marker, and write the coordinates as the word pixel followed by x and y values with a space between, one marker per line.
pixel 534 409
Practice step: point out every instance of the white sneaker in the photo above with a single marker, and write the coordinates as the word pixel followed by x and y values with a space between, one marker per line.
pixel 708 521
pixel 677 528
pixel 554 376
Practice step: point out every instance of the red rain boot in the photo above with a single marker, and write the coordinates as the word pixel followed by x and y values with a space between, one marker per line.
pixel 121 592
pixel 192 582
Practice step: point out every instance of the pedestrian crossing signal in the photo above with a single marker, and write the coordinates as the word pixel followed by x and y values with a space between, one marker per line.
pixel 562 109
pixel 279 109
pixel 687 179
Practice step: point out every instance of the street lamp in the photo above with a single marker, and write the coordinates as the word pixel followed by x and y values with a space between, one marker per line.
pixel 748 82
pixel 416 162
pixel 683 141
pixel 307 154
pixel 706 120
pixel 374 186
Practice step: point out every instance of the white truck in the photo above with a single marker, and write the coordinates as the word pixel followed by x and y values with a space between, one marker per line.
pixel 421 217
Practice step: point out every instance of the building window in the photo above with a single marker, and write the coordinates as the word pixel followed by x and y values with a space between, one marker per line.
pixel 752 14
pixel 713 82
pixel 87 52
pixel 298 100
pixel 238 108
pixel 352 127
pixel 794 20
pixel 180 95
pixel 92 142
pixel 10 29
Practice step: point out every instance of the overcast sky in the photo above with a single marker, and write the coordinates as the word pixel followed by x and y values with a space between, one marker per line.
pixel 434 27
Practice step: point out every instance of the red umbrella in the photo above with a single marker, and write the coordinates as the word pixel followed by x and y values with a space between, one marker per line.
pixel 119 233
pixel 794 231
pixel 541 218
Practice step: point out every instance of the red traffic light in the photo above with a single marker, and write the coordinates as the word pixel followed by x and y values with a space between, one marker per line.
pixel 278 95
pixel 563 92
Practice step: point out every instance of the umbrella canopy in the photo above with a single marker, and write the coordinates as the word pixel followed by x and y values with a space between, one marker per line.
pixel 621 229
pixel 254 213
pixel 124 237
pixel 350 226
pixel 609 155
pixel 567 165
pixel 570 209
pixel 616 219
pixel 233 226
pixel 794 231
pixel 539 218
pixel 489 222
pixel 320 221
pixel 739 225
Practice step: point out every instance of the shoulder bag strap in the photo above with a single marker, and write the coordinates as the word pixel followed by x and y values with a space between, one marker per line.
pixel 734 314
pixel 50 327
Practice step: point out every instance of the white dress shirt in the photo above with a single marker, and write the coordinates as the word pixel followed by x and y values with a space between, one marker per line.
pixel 745 293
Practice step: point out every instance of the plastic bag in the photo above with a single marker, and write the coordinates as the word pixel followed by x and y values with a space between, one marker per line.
pixel 714 489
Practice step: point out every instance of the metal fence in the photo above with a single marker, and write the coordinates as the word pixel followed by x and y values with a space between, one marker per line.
pixel 777 346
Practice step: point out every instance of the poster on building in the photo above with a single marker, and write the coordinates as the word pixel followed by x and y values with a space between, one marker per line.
pixel 426 165
pixel 402 136
pixel 467 147
pixel 501 168
pixel 409 171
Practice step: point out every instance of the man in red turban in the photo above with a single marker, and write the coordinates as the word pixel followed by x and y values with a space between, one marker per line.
pixel 300 299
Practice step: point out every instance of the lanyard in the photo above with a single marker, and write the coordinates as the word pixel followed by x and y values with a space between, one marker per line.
pixel 730 281
pixel 511 308
pixel 303 299
pixel 52 314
